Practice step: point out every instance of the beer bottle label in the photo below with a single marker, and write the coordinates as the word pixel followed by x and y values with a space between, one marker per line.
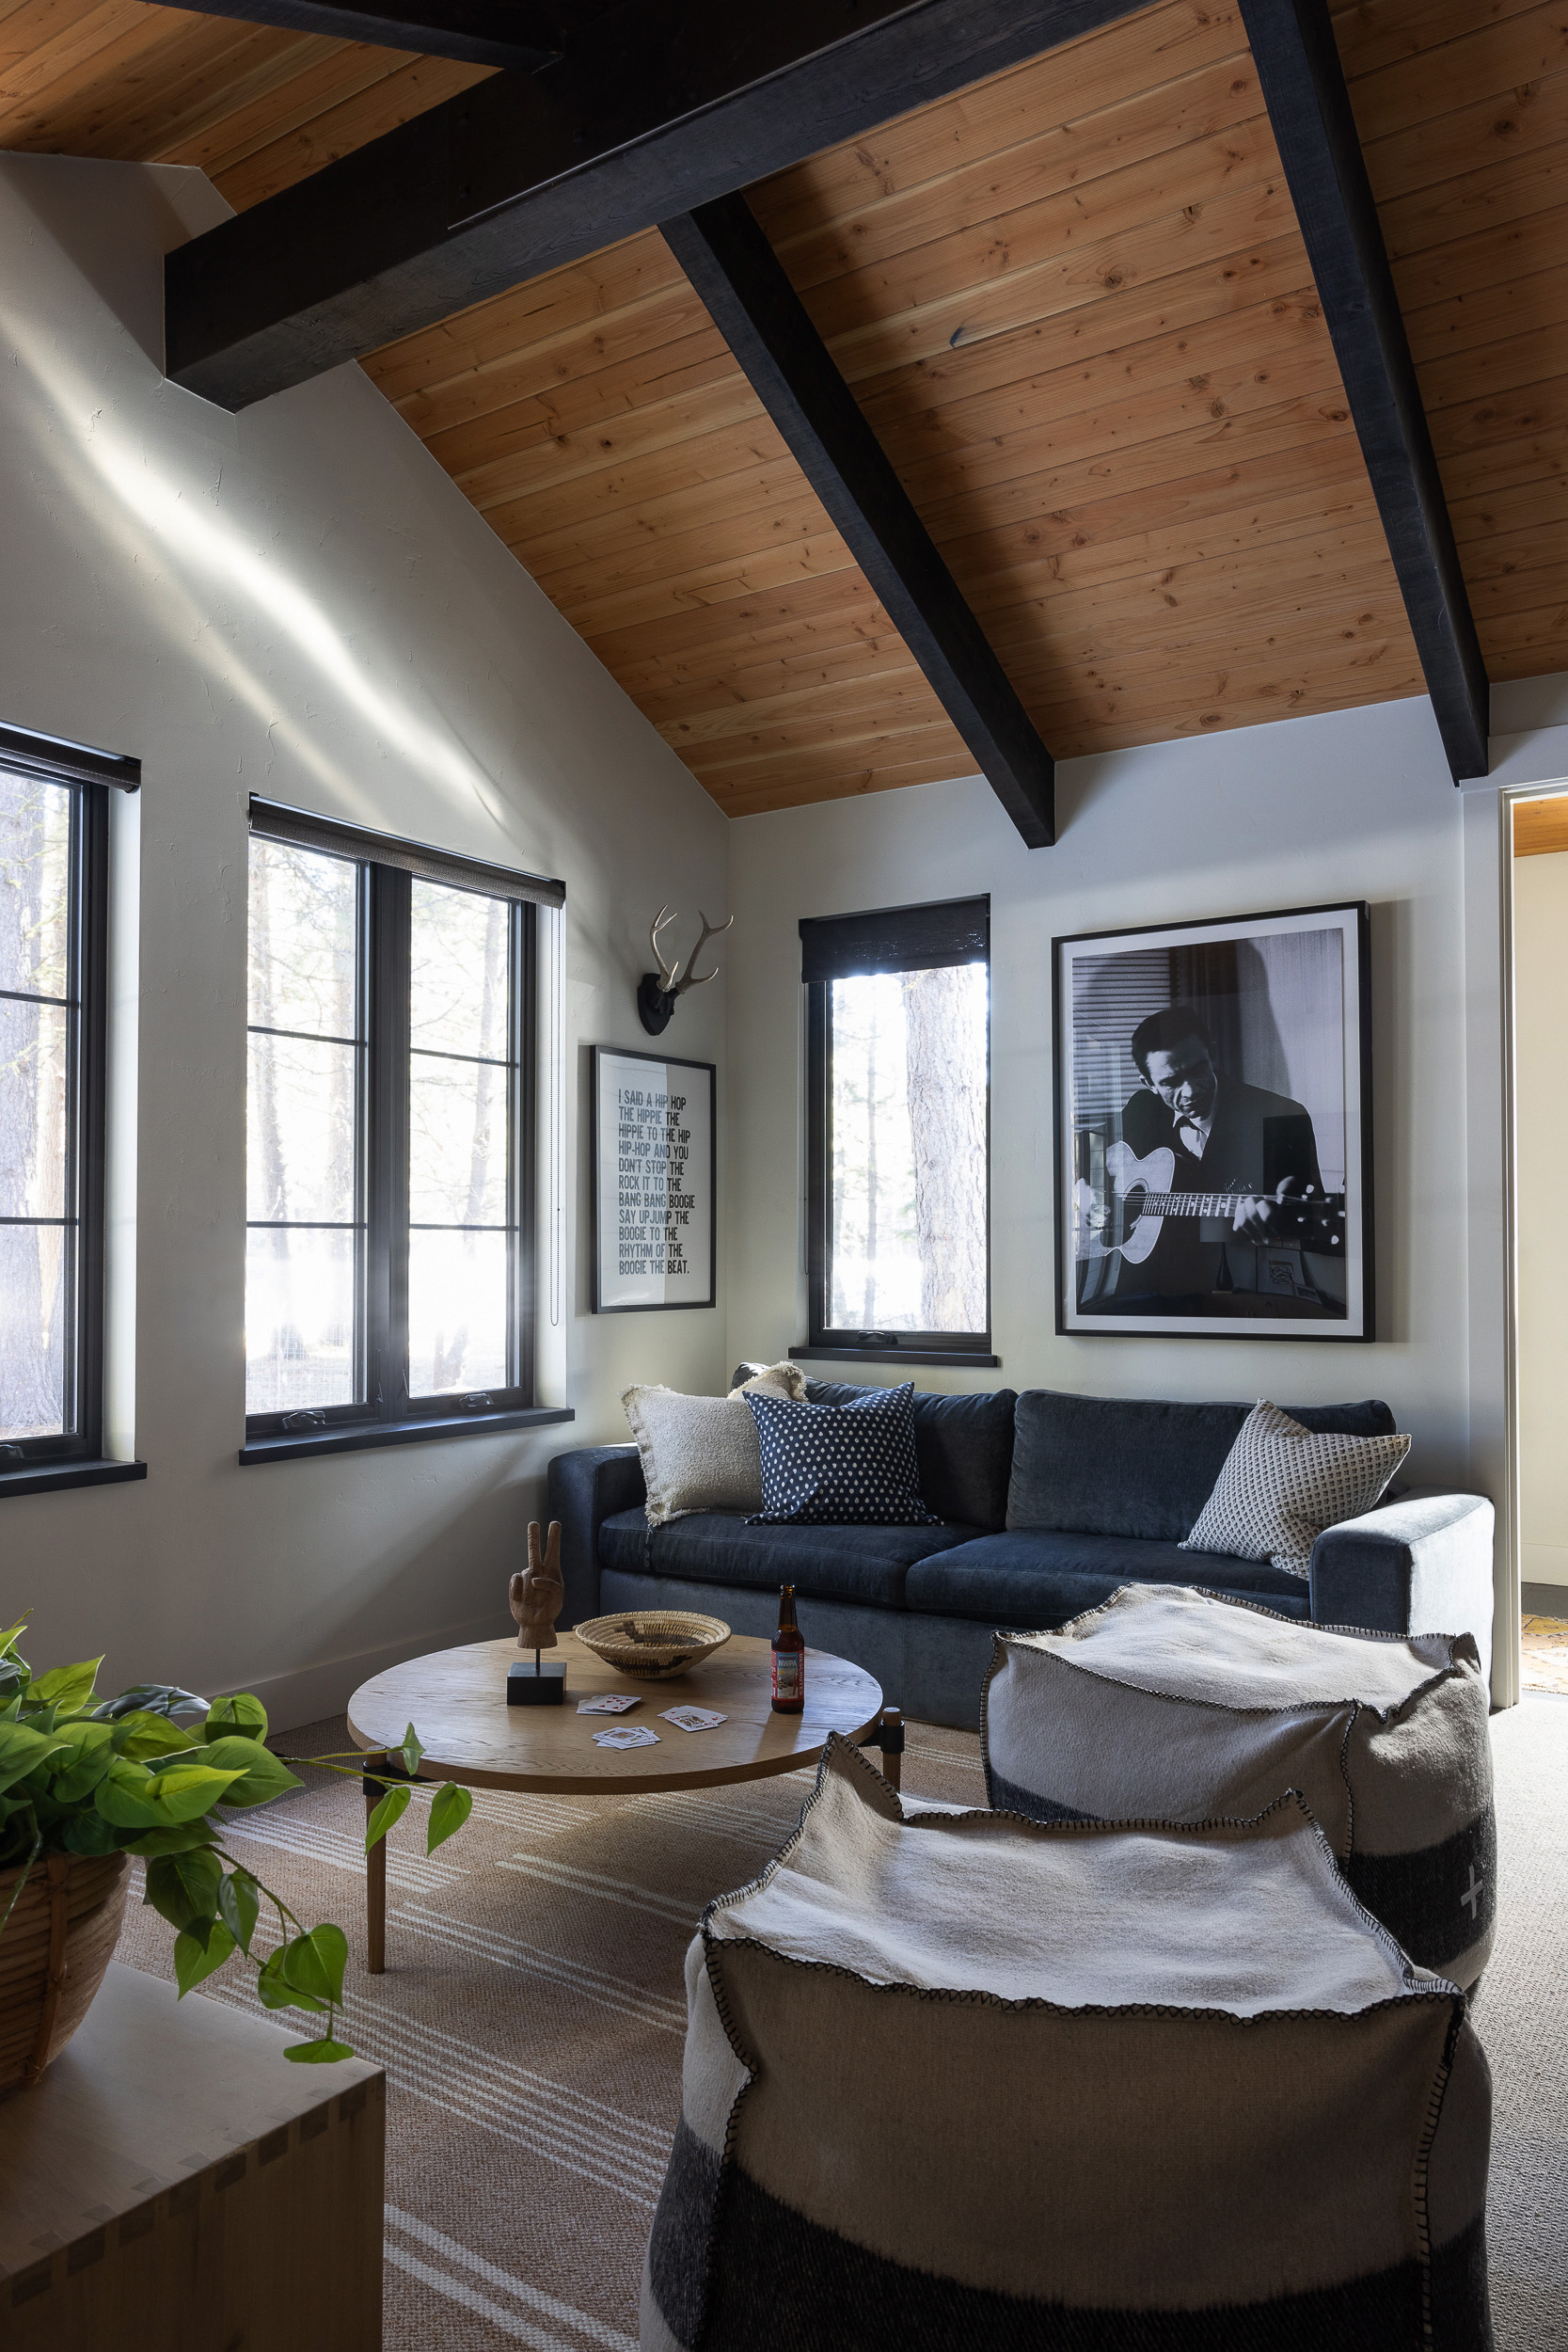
pixel 786 1674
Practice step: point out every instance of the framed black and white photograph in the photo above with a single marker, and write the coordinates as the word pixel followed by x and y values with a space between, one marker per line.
pixel 655 1239
pixel 1213 1128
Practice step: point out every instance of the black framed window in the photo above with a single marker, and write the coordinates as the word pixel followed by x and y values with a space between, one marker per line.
pixel 898 1133
pixel 389 1275
pixel 53 994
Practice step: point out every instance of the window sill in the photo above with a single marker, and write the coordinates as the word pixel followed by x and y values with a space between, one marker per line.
pixel 360 1439
pixel 972 1356
pixel 43 1477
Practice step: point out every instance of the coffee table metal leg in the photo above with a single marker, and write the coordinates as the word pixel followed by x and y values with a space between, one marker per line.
pixel 375 1876
pixel 891 1740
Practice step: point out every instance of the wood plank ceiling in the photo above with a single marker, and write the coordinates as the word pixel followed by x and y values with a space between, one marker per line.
pixel 1074 305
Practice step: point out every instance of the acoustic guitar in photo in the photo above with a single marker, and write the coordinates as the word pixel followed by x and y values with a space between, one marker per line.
pixel 1141 1200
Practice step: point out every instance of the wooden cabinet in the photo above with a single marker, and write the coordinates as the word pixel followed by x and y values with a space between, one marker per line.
pixel 173 2176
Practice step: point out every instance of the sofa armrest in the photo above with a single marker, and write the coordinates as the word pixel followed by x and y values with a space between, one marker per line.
pixel 1422 1565
pixel 587 1488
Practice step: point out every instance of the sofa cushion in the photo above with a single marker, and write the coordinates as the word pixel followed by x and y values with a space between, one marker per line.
pixel 839 1465
pixel 1038 1577
pixel 864 1564
pixel 1282 1484
pixel 1131 1466
pixel 964 1446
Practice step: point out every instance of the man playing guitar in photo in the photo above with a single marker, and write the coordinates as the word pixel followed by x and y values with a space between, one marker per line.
pixel 1253 1148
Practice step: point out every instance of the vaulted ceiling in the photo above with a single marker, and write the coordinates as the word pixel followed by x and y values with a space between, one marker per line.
pixel 1074 304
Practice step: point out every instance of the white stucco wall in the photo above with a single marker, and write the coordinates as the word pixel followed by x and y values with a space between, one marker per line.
pixel 296 601
pixel 1540 1126
pixel 1358 806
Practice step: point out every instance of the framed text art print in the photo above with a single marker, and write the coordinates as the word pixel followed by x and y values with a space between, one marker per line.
pixel 655 1243
pixel 1213 1128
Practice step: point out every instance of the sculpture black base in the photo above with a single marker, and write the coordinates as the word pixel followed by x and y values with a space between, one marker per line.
pixel 528 1685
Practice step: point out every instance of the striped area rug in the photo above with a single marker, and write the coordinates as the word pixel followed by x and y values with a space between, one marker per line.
pixel 532 2022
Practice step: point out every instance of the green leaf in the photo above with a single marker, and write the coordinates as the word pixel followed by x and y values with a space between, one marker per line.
pixel 87 1756
pixel 187 1790
pixel 152 1698
pixel 198 1952
pixel 317 2053
pixel 239 1902
pixel 393 1806
pixel 183 1887
pixel 242 1711
pixel 124 1797
pixel 22 1750
pixel 275 1991
pixel 313 1964
pixel 451 1808
pixel 88 1832
pixel 331 1947
pixel 142 1735
pixel 180 1837
pixel 11 1636
pixel 67 1686
pixel 258 1774
pixel 410 1751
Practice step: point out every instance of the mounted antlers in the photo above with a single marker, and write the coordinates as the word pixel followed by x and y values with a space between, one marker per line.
pixel 674 986
pixel 658 995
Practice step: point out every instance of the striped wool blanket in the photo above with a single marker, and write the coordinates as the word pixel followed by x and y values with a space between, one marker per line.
pixel 959 2079
pixel 1181 1705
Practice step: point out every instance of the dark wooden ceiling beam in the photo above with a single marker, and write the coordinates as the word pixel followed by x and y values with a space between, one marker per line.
pixel 657 107
pixel 513 34
pixel 1304 86
pixel 750 299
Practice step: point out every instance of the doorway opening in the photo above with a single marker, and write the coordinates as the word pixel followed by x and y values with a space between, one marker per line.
pixel 1539 892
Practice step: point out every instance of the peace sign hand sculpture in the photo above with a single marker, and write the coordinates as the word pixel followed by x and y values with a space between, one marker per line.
pixel 537 1593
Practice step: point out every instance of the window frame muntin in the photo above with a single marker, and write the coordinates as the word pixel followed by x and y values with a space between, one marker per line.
pixel 86 1111
pixel 841 1342
pixel 382 963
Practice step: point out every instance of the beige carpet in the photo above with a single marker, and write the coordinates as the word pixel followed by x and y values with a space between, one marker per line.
pixel 530 2024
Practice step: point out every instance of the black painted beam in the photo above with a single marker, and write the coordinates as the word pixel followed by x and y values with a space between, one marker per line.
pixel 657 107
pixel 509 33
pixel 1304 86
pixel 750 299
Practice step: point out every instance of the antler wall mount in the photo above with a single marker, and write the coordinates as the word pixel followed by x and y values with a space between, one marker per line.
pixel 658 992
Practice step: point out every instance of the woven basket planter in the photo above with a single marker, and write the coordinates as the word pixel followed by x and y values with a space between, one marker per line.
pixel 57 1945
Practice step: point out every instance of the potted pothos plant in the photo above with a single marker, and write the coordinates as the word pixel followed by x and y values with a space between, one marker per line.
pixel 157 1771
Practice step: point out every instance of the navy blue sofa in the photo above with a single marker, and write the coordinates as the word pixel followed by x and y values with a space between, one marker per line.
pixel 1049 1503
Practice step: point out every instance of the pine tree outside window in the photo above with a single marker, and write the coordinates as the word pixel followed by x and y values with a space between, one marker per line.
pixel 898 1120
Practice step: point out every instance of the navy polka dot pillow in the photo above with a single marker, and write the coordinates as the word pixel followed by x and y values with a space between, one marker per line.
pixel 839 1465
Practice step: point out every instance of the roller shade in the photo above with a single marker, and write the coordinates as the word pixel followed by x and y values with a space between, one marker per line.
pixel 65 763
pixel 275 822
pixel 895 939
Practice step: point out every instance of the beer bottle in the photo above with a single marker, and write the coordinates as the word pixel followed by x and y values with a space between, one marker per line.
pixel 789 1658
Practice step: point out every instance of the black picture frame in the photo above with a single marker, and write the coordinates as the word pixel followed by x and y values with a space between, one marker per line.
pixel 607 1231
pixel 1273 999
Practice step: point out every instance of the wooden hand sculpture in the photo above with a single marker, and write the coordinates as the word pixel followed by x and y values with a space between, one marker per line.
pixel 537 1591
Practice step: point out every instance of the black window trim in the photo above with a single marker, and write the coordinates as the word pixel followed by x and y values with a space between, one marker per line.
pixel 388 1414
pixel 887 939
pixel 75 1457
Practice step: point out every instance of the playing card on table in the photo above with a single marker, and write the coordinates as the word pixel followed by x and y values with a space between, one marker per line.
pixel 692 1718
pixel 626 1736
pixel 612 1703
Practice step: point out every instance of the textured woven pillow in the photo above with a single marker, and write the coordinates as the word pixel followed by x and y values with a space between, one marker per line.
pixel 839 1465
pixel 700 1452
pixel 1282 1484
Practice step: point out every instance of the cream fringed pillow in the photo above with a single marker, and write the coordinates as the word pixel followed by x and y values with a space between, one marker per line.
pixel 701 1452
pixel 1282 1484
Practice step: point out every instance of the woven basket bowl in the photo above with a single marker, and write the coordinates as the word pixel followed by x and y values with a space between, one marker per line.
pixel 67 1923
pixel 653 1644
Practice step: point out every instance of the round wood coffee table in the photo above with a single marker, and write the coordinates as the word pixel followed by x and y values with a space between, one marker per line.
pixel 456 1701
